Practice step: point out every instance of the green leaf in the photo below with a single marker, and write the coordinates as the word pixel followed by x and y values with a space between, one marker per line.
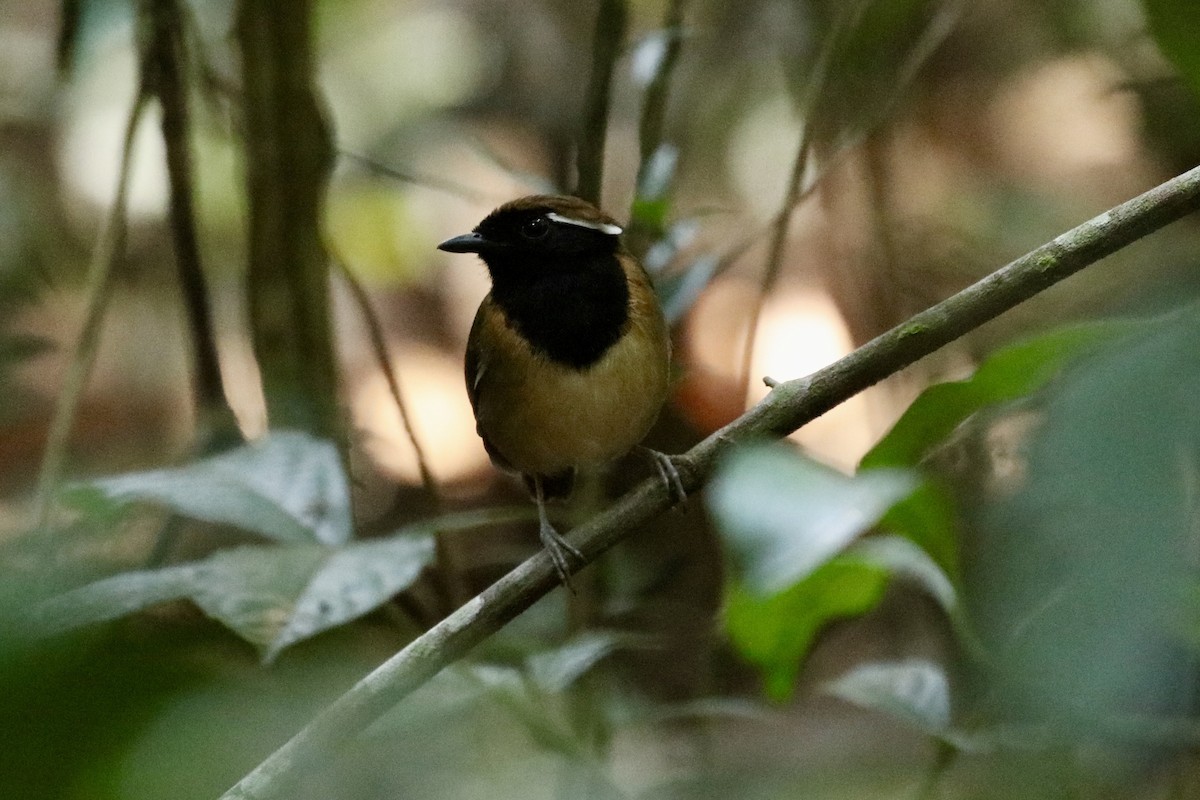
pixel 1080 572
pixel 272 596
pixel 915 692
pixel 928 519
pixel 783 516
pixel 557 669
pixel 1009 373
pixel 900 558
pixel 776 633
pixel 289 487
pixel 1175 25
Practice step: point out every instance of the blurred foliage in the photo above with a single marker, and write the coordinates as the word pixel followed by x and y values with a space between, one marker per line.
pixel 1176 27
pixel 1002 599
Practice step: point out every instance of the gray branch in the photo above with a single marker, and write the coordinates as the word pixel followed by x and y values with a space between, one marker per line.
pixel 790 405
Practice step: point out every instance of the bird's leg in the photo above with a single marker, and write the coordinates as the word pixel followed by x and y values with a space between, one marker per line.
pixel 667 472
pixel 558 548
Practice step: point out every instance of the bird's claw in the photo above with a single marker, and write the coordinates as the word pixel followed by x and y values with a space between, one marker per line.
pixel 668 473
pixel 561 552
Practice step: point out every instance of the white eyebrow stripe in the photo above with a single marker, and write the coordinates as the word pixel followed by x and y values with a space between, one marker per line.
pixel 603 227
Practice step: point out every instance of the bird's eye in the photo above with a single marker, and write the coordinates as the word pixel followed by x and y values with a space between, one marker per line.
pixel 535 228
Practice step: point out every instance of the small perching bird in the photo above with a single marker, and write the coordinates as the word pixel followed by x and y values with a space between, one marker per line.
pixel 568 360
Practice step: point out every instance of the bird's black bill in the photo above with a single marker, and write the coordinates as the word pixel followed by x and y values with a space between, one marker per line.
pixel 467 243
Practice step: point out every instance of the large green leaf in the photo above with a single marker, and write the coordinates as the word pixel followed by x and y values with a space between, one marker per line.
pixel 783 515
pixel 1175 25
pixel 776 633
pixel 1009 373
pixel 289 487
pixel 928 519
pixel 272 595
pixel 1080 574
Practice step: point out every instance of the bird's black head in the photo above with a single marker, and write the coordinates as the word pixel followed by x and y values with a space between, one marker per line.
pixel 540 232
pixel 556 274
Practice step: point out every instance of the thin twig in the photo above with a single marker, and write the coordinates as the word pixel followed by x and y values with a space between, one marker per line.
pixel 611 20
pixel 98 291
pixel 790 405
pixel 650 186
pixel 795 191
pixel 379 345
pixel 774 262
pixel 460 190
pixel 933 35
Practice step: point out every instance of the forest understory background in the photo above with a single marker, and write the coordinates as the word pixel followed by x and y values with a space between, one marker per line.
pixel 238 468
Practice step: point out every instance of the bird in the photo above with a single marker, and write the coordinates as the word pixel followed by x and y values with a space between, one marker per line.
pixel 568 360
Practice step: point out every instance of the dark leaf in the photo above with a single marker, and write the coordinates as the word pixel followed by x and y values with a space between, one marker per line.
pixel 1009 373
pixel 1175 25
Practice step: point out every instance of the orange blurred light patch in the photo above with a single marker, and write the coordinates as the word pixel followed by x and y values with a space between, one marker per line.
pixel 799 332
pixel 432 387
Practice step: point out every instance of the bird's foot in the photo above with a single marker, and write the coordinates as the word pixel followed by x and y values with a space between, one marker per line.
pixel 561 552
pixel 667 472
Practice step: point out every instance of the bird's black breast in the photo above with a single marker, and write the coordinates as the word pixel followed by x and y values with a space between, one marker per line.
pixel 570 312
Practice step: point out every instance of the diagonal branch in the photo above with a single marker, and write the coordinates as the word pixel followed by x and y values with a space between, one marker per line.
pixel 101 281
pixel 790 405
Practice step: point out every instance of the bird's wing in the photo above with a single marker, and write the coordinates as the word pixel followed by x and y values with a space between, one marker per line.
pixel 475 367
pixel 474 362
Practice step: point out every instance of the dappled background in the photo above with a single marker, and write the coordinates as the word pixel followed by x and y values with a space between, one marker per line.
pixel 821 172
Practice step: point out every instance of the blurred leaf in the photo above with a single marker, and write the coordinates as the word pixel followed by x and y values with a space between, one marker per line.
pixel 680 292
pixel 903 559
pixel 776 633
pixel 288 486
pixel 371 230
pixel 915 692
pixel 783 515
pixel 648 54
pixel 873 51
pixel 654 183
pixel 1175 25
pixel 709 709
pixel 272 596
pixel 557 669
pixel 508 687
pixel 1079 574
pixel 927 518
pixel 1009 373
pixel 660 254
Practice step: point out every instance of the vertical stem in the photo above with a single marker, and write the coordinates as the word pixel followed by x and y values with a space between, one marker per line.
pixel 288 158
pixel 168 62
pixel 611 21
